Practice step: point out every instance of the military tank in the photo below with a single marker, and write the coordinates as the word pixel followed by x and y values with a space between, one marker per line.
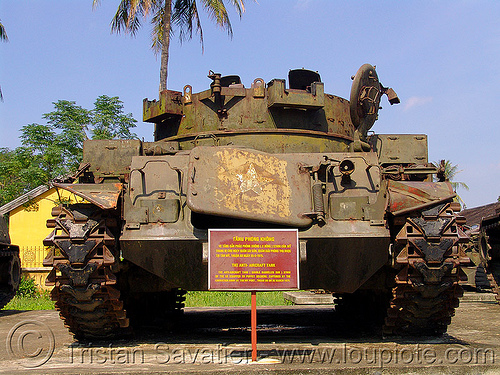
pixel 489 250
pixel 10 265
pixel 374 228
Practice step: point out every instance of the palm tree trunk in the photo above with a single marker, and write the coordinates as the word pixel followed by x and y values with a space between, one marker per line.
pixel 167 15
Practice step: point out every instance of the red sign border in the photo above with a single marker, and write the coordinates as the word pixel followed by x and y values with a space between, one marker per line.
pixel 256 289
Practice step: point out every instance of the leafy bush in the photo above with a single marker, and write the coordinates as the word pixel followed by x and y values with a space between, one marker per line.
pixel 27 287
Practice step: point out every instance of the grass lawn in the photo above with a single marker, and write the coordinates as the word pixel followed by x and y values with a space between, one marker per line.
pixel 193 299
pixel 41 302
pixel 200 299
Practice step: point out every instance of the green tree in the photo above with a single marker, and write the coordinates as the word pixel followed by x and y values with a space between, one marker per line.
pixel 109 121
pixel 55 149
pixel 19 173
pixel 60 141
pixel 165 13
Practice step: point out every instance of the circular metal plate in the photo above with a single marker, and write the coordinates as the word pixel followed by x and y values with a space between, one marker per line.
pixel 365 97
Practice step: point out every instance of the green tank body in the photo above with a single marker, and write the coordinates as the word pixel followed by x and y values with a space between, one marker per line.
pixel 374 227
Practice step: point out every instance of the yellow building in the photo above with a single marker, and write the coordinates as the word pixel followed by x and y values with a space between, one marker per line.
pixel 28 215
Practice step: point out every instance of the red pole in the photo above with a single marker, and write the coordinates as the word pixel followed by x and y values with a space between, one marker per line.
pixel 254 326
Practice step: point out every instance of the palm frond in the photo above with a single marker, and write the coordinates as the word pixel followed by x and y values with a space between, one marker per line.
pixel 450 172
pixel 121 21
pixel 3 36
pixel 239 5
pixel 157 31
pixel 463 185
pixel 217 12
pixel 3 33
pixel 185 16
pixel 129 14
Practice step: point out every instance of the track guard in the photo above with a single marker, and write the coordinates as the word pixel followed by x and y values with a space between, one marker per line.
pixel 104 196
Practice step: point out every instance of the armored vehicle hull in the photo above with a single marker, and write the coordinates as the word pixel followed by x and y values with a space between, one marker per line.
pixel 373 227
pixel 10 266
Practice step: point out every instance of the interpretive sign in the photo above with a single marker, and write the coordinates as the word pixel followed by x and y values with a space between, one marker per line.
pixel 241 259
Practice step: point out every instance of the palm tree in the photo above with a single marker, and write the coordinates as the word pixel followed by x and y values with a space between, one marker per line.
pixel 3 36
pixel 164 13
pixel 448 172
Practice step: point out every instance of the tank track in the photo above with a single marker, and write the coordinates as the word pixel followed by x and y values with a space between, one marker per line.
pixel 83 256
pixel 492 234
pixel 429 256
pixel 10 273
pixel 481 279
pixel 494 284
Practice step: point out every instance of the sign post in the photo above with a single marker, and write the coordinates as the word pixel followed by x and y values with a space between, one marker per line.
pixel 253 319
pixel 253 260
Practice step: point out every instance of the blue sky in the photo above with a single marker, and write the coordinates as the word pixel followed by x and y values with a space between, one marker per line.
pixel 439 56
